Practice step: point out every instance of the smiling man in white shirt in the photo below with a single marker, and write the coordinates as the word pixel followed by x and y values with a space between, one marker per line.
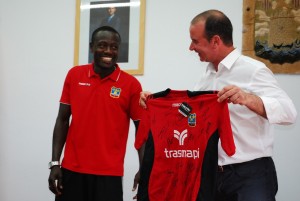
pixel 256 103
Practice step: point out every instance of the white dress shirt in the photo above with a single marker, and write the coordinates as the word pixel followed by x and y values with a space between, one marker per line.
pixel 253 134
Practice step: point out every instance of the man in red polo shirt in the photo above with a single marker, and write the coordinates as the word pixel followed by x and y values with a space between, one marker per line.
pixel 98 100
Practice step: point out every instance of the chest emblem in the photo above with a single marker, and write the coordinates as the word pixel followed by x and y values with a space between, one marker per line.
pixel 115 92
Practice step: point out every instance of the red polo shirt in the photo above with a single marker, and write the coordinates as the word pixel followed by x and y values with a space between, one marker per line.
pixel 101 113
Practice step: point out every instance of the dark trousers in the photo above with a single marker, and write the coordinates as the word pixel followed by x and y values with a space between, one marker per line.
pixel 250 181
pixel 87 187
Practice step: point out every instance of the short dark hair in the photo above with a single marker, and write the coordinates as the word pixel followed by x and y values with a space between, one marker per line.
pixel 104 28
pixel 216 23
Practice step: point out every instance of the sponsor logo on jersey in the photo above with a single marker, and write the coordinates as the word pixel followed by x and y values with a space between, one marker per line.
pixel 180 136
pixel 192 120
pixel 182 153
pixel 115 92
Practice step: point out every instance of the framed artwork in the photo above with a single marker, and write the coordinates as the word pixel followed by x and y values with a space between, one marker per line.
pixel 271 33
pixel 126 16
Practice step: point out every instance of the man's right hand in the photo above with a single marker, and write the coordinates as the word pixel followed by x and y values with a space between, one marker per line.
pixel 55 180
pixel 143 98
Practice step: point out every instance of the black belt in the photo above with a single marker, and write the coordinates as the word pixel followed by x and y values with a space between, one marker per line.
pixel 223 168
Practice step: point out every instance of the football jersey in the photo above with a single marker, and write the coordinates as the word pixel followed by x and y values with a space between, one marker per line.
pixel 181 130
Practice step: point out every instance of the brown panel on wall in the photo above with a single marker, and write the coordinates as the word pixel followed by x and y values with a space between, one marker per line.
pixel 271 34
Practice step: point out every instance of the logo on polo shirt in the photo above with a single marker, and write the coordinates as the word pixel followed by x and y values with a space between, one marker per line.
pixel 115 92
pixel 182 153
pixel 84 84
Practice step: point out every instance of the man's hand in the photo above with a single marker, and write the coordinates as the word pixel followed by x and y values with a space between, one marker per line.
pixel 135 183
pixel 233 94
pixel 55 180
pixel 143 98
pixel 236 95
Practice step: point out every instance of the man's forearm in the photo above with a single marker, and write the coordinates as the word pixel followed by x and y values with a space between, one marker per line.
pixel 59 139
pixel 141 154
pixel 256 104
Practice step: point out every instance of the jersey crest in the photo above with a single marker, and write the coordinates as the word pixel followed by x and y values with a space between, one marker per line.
pixel 192 120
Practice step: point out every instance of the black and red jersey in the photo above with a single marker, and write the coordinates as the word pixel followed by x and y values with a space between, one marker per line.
pixel 181 130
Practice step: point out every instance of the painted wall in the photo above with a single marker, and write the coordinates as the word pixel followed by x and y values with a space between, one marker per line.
pixel 36 51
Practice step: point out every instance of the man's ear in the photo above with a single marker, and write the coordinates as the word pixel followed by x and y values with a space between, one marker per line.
pixel 216 39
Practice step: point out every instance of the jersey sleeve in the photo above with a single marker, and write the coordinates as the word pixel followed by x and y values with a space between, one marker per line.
pixel 226 136
pixel 143 130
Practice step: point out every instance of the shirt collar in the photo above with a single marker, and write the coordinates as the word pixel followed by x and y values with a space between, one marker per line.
pixel 210 67
pixel 113 76
pixel 231 58
pixel 227 62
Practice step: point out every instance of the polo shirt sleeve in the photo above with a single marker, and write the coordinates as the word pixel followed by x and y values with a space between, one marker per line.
pixel 65 96
pixel 135 109
pixel 225 131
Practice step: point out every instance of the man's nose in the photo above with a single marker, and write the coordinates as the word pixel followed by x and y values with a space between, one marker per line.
pixel 108 49
pixel 191 47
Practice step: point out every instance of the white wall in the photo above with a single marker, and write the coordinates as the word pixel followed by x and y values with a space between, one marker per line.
pixel 36 50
